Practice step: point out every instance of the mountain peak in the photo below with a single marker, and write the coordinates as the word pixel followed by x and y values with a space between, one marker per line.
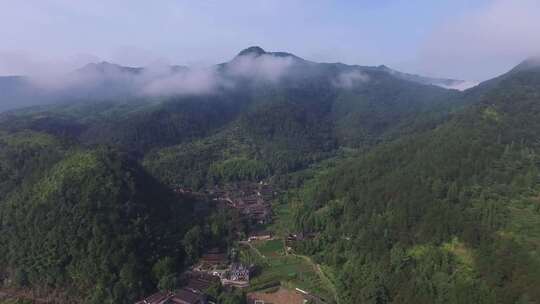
pixel 99 66
pixel 257 51
pixel 384 68
pixel 528 64
pixel 105 66
pixel 252 50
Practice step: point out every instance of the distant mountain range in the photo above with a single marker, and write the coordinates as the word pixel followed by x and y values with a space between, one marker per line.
pixel 106 80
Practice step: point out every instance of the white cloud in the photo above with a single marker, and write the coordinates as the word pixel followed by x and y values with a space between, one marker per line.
pixel 205 80
pixel 264 67
pixel 460 85
pixel 189 82
pixel 349 80
pixel 157 79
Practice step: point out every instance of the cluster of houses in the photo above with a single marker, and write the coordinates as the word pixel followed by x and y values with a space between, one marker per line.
pixel 192 293
pixel 252 200
pixel 202 277
pixel 230 274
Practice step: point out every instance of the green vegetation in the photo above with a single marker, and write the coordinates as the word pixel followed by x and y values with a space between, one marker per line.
pixel 276 267
pixel 444 216
pixel 270 248
pixel 23 156
pixel 406 193
pixel 94 224
pixel 15 301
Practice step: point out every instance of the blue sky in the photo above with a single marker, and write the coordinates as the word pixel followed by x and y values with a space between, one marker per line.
pixel 471 40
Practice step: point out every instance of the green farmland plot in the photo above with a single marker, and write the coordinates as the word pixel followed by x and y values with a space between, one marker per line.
pixel 289 270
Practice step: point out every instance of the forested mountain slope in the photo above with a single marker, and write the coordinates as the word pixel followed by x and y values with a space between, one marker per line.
pixel 288 112
pixel 91 226
pixel 449 215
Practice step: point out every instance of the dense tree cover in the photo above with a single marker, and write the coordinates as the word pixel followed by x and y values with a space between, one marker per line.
pixel 432 217
pixel 24 155
pixel 219 230
pixel 200 162
pixel 272 139
pixel 238 169
pixel 366 112
pixel 408 197
pixel 276 126
pixel 133 125
pixel 288 128
pixel 170 122
pixel 92 227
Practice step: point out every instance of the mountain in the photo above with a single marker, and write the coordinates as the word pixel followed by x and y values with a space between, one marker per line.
pixel 287 112
pixel 87 223
pixel 447 83
pixel 406 192
pixel 449 215
pixel 105 68
pixel 530 64
pixel 109 81
pixel 109 162
pixel 258 51
pixel 92 82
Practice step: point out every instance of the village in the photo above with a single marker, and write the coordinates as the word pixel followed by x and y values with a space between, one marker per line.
pixel 219 267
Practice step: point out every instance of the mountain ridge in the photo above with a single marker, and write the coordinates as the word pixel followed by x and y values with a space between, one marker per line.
pixel 106 80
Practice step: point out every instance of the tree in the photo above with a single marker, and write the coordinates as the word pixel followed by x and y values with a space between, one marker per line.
pixel 193 243
pixel 168 282
pixel 164 268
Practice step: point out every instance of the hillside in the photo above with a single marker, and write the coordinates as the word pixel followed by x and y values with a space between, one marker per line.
pixel 90 228
pixel 443 216
pixel 285 111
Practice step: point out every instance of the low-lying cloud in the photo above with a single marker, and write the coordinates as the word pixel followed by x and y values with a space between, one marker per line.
pixel 162 79
pixel 106 80
pixel 351 79
pixel 189 82
pixel 264 67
